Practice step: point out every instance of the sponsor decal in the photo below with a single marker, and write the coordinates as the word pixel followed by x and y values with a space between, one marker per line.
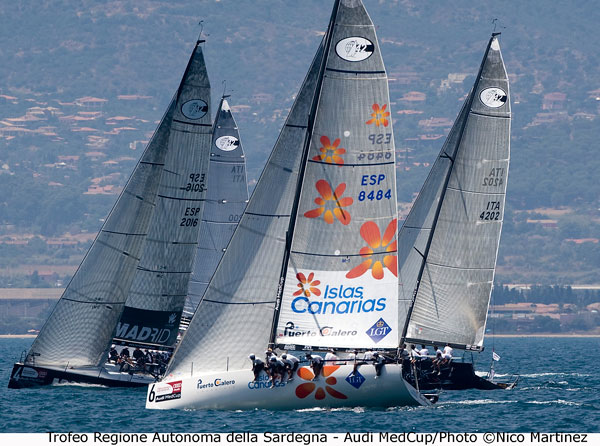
pixel 379 116
pixel 375 242
pixel 355 379
pixel 227 143
pixel 218 382
pixel 330 152
pixel 292 329
pixel 338 299
pixel 354 49
pixel 28 372
pixel 493 97
pixel 263 382
pixel 194 109
pixel 331 203
pixel 166 392
pixel 156 327
pixel 307 388
pixel 378 331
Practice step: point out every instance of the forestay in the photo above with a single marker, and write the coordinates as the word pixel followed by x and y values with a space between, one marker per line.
pixel 226 200
pixel 157 295
pixel 452 269
pixel 81 326
pixel 234 316
pixel 341 280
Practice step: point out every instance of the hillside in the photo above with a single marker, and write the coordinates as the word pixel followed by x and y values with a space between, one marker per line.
pixel 83 83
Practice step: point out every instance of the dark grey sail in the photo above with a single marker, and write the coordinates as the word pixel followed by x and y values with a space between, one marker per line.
pixel 449 243
pixel 237 307
pixel 158 292
pixel 81 325
pixel 226 200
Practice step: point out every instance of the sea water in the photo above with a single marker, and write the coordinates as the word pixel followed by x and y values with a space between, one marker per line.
pixel 558 391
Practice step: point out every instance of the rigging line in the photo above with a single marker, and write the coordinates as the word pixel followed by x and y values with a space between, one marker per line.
pixel 468 106
pixel 301 173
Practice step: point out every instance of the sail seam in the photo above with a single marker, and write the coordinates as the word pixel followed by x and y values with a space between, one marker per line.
pixel 161 271
pixel 267 215
pixel 192 123
pixel 117 249
pixel 92 302
pixel 238 303
pixel 152 164
pixel 123 233
pixel 458 267
pixel 220 222
pixel 340 255
pixel 352 165
pixel 354 72
pixel 489 116
pixel 474 192
pixel 296 126
pixel 182 199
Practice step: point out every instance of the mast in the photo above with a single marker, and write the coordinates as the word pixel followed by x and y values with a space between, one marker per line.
pixel 463 119
pixel 305 150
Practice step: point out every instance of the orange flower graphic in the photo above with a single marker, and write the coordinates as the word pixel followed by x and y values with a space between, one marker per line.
pixel 337 203
pixel 370 233
pixel 330 153
pixel 379 116
pixel 305 389
pixel 307 285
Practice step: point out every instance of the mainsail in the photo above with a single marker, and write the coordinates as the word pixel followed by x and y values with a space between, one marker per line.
pixel 158 292
pixel 238 304
pixel 81 325
pixel 325 209
pixel 341 279
pixel 449 243
pixel 226 200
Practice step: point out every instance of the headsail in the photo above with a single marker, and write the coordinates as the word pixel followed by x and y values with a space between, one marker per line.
pixel 341 279
pixel 449 243
pixel 157 295
pixel 238 305
pixel 82 324
pixel 226 200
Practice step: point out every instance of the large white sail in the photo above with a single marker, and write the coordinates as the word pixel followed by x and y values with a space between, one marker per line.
pixel 341 278
pixel 234 316
pixel 158 292
pixel 449 243
pixel 81 325
pixel 226 200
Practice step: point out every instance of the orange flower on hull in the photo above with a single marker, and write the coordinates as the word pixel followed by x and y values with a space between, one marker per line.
pixel 305 389
pixel 330 153
pixel 370 233
pixel 379 116
pixel 331 203
pixel 307 286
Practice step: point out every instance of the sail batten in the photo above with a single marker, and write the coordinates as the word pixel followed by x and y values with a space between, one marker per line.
pixel 457 219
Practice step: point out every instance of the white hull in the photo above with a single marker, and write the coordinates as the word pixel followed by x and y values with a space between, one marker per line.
pixel 237 390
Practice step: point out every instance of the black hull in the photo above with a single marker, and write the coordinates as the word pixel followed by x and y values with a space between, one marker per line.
pixel 25 376
pixel 454 376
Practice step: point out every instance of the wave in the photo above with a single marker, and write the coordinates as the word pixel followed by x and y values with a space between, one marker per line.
pixel 478 402
pixel 559 401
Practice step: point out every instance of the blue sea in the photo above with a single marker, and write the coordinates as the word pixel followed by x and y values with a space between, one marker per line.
pixel 558 391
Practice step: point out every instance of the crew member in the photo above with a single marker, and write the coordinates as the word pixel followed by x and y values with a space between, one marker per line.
pixel 316 362
pixel 291 364
pixel 257 366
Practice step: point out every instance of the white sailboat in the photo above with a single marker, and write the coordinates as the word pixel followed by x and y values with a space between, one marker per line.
pixel 150 220
pixel 313 263
pixel 448 245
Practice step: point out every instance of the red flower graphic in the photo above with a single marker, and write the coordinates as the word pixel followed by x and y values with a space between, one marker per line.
pixel 370 233
pixel 330 153
pixel 337 203
pixel 307 285
pixel 305 389
pixel 379 116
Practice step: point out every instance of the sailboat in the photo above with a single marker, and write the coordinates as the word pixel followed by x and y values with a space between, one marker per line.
pixel 153 223
pixel 312 264
pixel 448 245
pixel 226 200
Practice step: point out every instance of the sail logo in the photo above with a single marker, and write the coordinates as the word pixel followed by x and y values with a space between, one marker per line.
pixel 378 331
pixel 493 97
pixel 379 117
pixel 307 285
pixel 194 109
pixel 137 333
pixel 227 143
pixel 354 49
pixel 355 379
pixel 292 330
pixel 331 203
pixel 330 152
pixel 376 245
